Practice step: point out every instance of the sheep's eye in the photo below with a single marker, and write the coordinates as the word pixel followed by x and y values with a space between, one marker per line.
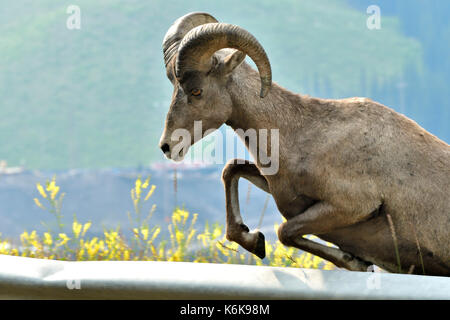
pixel 196 92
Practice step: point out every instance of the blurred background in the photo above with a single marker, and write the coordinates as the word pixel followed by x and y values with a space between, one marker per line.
pixel 88 105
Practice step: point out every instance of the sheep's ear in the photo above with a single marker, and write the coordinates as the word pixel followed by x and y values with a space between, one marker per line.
pixel 232 61
pixel 215 62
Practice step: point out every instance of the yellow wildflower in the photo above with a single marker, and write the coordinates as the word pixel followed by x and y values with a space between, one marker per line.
pixel 92 247
pixel 308 262
pixel 4 247
pixel 137 188
pixel 316 262
pixel 145 184
pixel 24 237
pixel 86 227
pixel 194 219
pixel 190 236
pixel 38 203
pixel 64 238
pixel 203 237
pixel 153 249
pixel 150 192
pixel 80 253
pixel 155 234
pixel 54 192
pixel 33 240
pixel 48 239
pixel 311 237
pixel 41 190
pixel 184 214
pixel 76 228
pixel 144 232
pixel 52 188
pixel 176 216
pixel 179 235
pixel 217 232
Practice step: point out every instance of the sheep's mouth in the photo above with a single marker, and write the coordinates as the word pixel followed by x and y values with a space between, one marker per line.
pixel 178 156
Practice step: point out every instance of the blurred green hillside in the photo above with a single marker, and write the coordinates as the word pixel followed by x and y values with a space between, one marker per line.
pixel 97 97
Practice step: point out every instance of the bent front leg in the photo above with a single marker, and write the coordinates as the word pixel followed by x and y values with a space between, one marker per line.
pixel 236 230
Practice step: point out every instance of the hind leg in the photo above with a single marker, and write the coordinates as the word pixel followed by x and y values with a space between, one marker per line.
pixel 321 218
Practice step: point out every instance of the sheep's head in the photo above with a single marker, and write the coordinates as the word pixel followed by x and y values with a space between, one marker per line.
pixel 199 70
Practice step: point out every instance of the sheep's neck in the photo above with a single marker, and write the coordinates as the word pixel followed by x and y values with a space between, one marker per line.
pixel 280 109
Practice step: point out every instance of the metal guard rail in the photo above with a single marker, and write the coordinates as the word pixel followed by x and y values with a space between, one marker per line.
pixel 28 278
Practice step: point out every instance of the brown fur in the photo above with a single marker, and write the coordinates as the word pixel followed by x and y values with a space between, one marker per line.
pixel 344 164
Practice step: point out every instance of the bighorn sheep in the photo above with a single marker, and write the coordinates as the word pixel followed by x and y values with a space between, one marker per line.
pixel 346 167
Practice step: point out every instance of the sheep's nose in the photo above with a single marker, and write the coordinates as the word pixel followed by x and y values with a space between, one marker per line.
pixel 165 148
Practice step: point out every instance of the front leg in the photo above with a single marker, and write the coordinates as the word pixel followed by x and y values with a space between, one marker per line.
pixel 236 230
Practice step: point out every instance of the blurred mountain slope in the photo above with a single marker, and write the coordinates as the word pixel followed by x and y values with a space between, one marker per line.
pixel 97 97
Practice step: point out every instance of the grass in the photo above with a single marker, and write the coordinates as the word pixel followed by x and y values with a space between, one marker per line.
pixel 396 247
pixel 394 238
pixel 187 241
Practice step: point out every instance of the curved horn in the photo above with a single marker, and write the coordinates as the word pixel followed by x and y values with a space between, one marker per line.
pixel 200 43
pixel 179 29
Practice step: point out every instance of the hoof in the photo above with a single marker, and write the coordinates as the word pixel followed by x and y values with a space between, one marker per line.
pixel 260 249
pixel 244 227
